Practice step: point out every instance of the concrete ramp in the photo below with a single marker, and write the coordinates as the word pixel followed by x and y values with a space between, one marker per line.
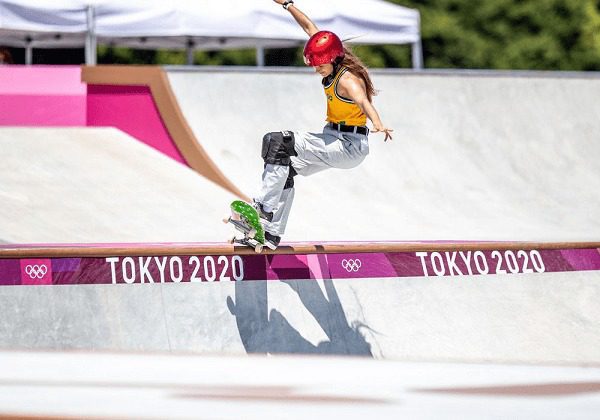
pixel 500 302
pixel 475 156
pixel 101 185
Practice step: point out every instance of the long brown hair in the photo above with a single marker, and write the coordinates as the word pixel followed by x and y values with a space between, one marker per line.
pixel 358 68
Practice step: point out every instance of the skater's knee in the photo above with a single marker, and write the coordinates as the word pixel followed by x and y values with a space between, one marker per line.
pixel 278 148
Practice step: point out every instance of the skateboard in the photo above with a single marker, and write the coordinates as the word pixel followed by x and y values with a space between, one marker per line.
pixel 246 220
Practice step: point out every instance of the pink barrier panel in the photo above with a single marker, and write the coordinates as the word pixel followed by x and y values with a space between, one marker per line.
pixel 132 110
pixel 42 96
pixel 46 96
pixel 215 268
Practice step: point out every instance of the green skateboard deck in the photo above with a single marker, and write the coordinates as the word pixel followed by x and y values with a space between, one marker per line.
pixel 246 219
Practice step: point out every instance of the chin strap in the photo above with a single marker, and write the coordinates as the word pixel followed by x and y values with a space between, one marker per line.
pixel 337 65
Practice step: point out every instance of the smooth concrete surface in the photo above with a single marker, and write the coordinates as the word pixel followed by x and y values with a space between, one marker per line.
pixel 474 157
pixel 101 185
pixel 158 386
pixel 526 318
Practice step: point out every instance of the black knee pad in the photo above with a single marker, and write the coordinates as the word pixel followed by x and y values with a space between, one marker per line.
pixel 289 183
pixel 278 147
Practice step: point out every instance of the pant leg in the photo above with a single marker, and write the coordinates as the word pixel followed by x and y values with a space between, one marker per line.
pixel 315 153
pixel 329 149
pixel 275 198
pixel 282 213
pixel 273 182
pixel 271 192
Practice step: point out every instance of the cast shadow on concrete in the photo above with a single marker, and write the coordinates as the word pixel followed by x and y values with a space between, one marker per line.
pixel 262 331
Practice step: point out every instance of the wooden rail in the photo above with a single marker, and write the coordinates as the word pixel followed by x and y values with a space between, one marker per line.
pixel 172 249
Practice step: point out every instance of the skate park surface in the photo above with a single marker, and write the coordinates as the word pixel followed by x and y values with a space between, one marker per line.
pixel 81 184
pixel 111 386
pixel 475 158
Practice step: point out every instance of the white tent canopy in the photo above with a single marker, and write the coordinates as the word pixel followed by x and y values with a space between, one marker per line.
pixel 200 24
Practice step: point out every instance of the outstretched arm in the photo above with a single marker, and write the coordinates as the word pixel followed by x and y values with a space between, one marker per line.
pixel 305 23
pixel 355 90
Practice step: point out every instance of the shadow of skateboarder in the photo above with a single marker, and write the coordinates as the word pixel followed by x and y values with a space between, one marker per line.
pixel 262 331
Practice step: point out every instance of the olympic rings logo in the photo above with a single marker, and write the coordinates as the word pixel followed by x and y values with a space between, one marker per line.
pixel 352 265
pixel 36 271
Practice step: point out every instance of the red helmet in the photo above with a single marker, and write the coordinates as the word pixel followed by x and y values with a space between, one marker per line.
pixel 324 47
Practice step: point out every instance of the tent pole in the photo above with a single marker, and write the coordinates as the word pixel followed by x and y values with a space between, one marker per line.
pixel 260 56
pixel 190 51
pixel 90 39
pixel 417 48
pixel 417 55
pixel 28 55
pixel 28 52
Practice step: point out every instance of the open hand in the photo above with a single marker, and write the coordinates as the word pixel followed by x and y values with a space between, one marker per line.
pixel 387 132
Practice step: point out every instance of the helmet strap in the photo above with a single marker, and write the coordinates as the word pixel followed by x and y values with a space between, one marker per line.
pixel 337 65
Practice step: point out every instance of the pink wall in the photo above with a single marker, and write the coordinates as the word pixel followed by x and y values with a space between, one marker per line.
pixel 55 96
pixel 132 110
pixel 42 96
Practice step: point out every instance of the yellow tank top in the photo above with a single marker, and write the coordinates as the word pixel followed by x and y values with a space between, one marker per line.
pixel 342 110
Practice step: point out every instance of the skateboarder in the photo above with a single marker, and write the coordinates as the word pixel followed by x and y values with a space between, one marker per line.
pixel 343 143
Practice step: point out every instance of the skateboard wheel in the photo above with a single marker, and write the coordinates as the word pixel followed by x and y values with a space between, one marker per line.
pixel 252 233
pixel 258 248
pixel 226 220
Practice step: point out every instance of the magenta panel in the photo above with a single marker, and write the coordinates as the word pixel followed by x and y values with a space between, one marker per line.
pixel 220 268
pixel 42 111
pixel 42 96
pixel 132 110
pixel 41 80
pixel 36 272
pixel 584 259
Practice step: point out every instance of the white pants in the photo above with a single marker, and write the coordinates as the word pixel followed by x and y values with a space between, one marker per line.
pixel 316 152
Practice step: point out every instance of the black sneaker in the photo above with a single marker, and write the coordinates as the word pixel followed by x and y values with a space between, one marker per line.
pixel 272 241
pixel 261 213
